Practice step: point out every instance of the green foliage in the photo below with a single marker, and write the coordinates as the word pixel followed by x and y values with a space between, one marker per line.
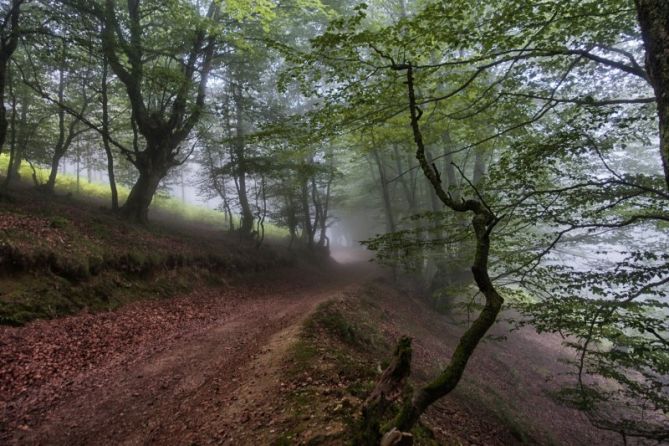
pixel 573 172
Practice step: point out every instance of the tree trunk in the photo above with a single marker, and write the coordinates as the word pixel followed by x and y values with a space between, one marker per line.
pixel 385 193
pixel 449 169
pixel 3 112
pixel 59 151
pixel 450 377
pixel 9 39
pixel 136 207
pixel 407 184
pixel 105 136
pixel 434 200
pixel 59 148
pixel 308 231
pixel 389 388
pixel 324 240
pixel 653 18
pixel 12 142
pixel 55 162
pixel 318 209
pixel 479 165
pixel 483 222
pixel 165 129
pixel 21 137
pixel 153 164
pixel 246 224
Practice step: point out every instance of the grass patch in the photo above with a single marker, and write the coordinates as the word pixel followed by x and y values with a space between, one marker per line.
pixel 329 319
pixel 68 184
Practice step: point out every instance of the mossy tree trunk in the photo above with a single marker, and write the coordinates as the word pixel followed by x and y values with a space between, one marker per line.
pixel 483 222
pixel 389 388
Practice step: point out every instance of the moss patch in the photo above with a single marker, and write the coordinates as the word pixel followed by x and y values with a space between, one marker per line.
pixel 332 368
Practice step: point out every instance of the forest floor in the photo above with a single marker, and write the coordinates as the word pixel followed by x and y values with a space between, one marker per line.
pixel 285 359
pixel 272 352
pixel 167 372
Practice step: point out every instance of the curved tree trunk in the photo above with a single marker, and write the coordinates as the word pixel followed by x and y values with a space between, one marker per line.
pixel 153 164
pixel 124 43
pixel 60 147
pixel 50 184
pixel 136 207
pixel 483 222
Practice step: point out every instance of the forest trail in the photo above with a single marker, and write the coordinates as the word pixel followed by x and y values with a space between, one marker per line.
pixel 167 387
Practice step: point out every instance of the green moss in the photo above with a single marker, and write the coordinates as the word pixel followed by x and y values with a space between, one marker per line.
pixel 59 222
pixel 283 440
pixel 27 297
pixel 330 319
pixel 302 353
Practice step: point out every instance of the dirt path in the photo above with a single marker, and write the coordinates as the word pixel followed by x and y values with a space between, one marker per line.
pixel 189 385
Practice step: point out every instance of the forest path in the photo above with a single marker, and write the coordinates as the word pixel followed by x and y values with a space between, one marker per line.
pixel 180 386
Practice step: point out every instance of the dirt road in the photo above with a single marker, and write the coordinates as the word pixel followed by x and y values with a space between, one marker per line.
pixel 163 372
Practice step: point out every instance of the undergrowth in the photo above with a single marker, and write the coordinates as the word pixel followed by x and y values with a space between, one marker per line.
pixel 59 256
pixel 340 353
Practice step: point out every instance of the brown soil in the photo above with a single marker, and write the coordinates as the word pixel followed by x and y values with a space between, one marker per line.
pixel 147 374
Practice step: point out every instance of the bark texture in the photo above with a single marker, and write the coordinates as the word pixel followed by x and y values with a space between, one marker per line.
pixel 653 18
pixel 390 387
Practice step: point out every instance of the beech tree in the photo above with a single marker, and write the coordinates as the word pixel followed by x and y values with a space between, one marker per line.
pixel 164 69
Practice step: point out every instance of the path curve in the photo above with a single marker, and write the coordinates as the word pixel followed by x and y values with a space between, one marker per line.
pixel 181 386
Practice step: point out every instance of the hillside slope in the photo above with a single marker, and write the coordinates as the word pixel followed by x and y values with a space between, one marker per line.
pixel 341 349
pixel 59 256
pixel 214 341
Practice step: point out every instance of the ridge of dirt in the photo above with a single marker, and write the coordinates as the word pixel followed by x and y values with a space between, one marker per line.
pixel 503 399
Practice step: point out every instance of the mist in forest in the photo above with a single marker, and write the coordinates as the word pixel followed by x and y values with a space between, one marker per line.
pixel 506 161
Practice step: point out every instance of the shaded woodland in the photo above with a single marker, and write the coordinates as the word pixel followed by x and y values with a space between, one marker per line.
pixel 503 154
